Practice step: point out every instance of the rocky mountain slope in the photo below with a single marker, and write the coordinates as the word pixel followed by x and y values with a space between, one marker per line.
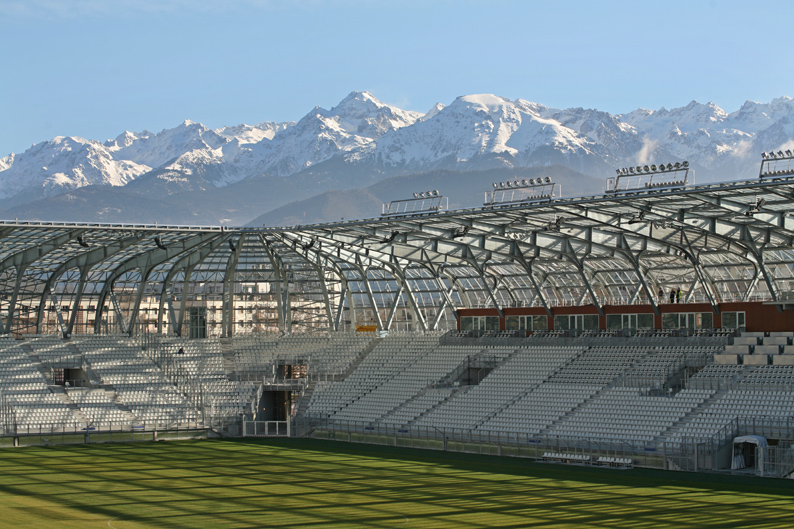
pixel 362 141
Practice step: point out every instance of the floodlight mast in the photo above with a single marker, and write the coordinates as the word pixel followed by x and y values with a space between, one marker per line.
pixel 644 177
pixel 776 164
pixel 422 202
pixel 522 192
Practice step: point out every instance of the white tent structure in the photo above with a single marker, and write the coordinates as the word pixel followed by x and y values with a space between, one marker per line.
pixel 741 445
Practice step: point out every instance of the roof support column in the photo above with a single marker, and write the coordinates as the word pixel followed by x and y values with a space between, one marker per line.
pixel 447 301
pixel 753 284
pixel 282 298
pixel 77 298
pixel 337 323
pixel 227 314
pixel 183 299
pixel 641 274
pixel 571 254
pixel 700 273
pixel 14 295
pixel 371 297
pixel 515 251
pixel 488 289
pixel 418 316
pixel 393 308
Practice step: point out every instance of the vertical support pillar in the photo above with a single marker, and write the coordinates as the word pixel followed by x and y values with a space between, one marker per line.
pixel 12 304
pixel 282 299
pixel 393 308
pixel 371 296
pixel 227 318
pixel 183 300
pixel 340 308
pixel 117 310
pixel 77 298
pixel 58 314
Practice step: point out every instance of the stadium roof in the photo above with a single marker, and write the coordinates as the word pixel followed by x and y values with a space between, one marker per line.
pixel 717 242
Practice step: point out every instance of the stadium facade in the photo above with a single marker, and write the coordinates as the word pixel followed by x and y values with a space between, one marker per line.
pixel 505 308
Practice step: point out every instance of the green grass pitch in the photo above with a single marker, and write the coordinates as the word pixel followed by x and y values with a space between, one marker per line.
pixel 311 483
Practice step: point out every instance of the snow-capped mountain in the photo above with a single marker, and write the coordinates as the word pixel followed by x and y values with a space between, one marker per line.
pixel 363 136
pixel 485 130
pixel 53 167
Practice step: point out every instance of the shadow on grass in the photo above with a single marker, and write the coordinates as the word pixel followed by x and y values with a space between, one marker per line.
pixel 316 483
pixel 527 467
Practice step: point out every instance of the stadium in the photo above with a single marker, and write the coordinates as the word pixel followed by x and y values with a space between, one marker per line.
pixel 650 326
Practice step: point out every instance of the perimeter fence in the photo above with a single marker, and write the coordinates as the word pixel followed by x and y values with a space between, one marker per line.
pixel 43 435
pixel 684 454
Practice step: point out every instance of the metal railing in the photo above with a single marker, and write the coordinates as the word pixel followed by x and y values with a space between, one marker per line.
pixel 692 454
pixel 267 428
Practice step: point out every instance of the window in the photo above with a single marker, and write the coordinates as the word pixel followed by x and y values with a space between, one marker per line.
pixel 733 320
pixel 689 320
pixel 587 322
pixel 616 322
pixel 645 321
pixel 479 323
pixel 526 323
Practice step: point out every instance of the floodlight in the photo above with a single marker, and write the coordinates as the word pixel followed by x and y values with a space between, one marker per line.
pixel 617 171
pixel 760 203
pixel 516 183
pixel 502 185
pixel 416 195
pixel 685 164
pixel 653 168
pixel 509 183
pixel 669 167
pixel 631 170
pixel 677 165
pixel 780 153
pixel 646 169
pixel 662 168
pixel 435 192
pixel 495 185
pixel 524 182
pixel 788 152
pixel 548 180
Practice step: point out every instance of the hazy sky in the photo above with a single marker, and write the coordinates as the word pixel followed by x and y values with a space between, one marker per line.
pixel 94 68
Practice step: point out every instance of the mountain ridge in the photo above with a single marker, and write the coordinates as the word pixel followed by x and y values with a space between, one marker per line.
pixel 362 140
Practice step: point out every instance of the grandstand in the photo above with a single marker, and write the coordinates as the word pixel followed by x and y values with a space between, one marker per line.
pixel 648 327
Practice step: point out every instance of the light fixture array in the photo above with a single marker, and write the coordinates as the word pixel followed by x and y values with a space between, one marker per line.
pixel 645 169
pixel 517 184
pixel 642 177
pixel 521 191
pixel 422 202
pixel 776 163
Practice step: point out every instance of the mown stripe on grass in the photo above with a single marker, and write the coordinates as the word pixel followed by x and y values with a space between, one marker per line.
pixel 309 483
